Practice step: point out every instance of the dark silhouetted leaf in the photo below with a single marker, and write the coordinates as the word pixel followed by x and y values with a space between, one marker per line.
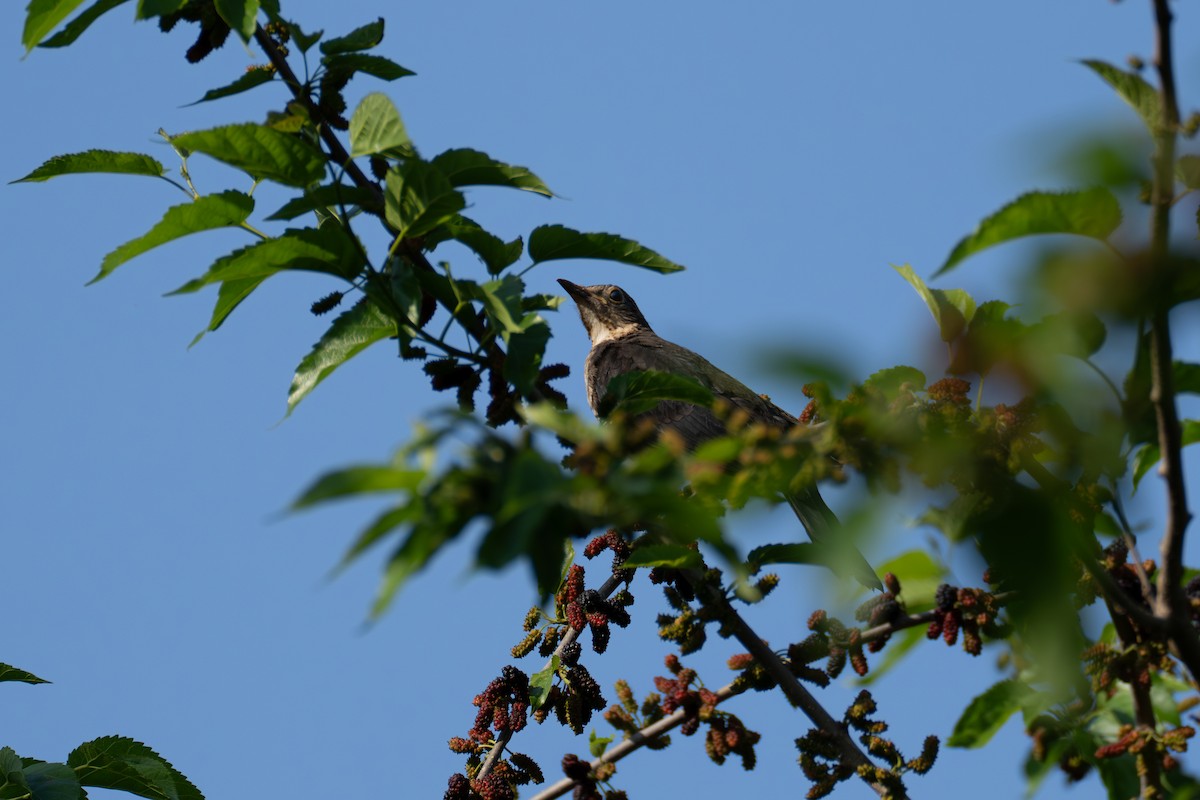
pixel 11 673
pixel 124 765
pixel 551 242
pixel 331 195
pixel 376 66
pixel 1150 454
pixel 363 38
pixel 467 167
pixel 246 81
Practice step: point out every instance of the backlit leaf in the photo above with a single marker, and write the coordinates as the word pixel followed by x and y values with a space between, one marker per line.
pixel 260 151
pixel 96 161
pixel 376 127
pixel 352 332
pixel 72 30
pixel 43 16
pixel 363 38
pixel 639 391
pixel 1133 89
pixel 987 713
pixel 227 209
pixel 1092 212
pixel 419 198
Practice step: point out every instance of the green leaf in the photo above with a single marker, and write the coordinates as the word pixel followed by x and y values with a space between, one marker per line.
pixel 1187 169
pixel 541 682
pixel 72 30
pixel 303 41
pixel 899 646
pixel 96 161
pixel 356 481
pixel 598 744
pixel 11 673
pixel 419 198
pixel 466 167
pixel 889 382
pixel 363 38
pixel 639 391
pixel 12 776
pixel 1091 212
pixel 229 297
pixel 792 553
pixel 225 210
pixel 43 16
pixel 1133 89
pixel 332 196
pixel 422 544
pixel 240 15
pixel 1150 455
pixel 676 556
pixel 122 764
pixel 952 309
pixel 987 713
pixel 351 333
pixel 376 127
pixel 148 9
pixel 246 81
pixel 327 249
pixel 494 252
pixel 551 242
pixel 376 66
pixel 263 152
pixel 525 351
pixel 50 781
pixel 919 577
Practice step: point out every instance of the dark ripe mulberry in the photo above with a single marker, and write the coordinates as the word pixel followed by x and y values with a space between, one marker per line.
pixel 326 303
pixel 950 628
pixel 946 597
pixel 600 637
pixel 570 653
pixel 575 768
pixel 493 787
pixel 458 788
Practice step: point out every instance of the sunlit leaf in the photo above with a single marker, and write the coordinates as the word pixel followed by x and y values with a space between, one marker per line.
pixel 952 309
pixel 327 249
pixel 987 713
pixel 419 198
pixel 1133 89
pixel 494 252
pixel 96 161
pixel 598 744
pixel 73 29
pixel 376 128
pixel 208 212
pixel 43 16
pixel 356 481
pixel 260 151
pixel 240 15
pixel 551 242
pixel 351 333
pixel 541 682
pixel 892 380
pixel 676 556
pixel 1093 212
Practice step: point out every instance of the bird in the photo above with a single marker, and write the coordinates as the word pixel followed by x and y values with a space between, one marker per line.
pixel 623 341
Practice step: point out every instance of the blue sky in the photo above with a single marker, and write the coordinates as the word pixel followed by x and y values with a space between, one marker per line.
pixel 786 153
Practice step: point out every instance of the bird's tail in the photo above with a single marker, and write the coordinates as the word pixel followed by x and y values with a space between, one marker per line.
pixel 822 526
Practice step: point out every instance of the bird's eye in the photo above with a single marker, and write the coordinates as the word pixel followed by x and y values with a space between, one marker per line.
pixel 617 296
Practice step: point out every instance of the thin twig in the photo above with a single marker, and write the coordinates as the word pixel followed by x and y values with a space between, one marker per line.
pixel 635 741
pixel 1131 543
pixel 606 589
pixel 788 683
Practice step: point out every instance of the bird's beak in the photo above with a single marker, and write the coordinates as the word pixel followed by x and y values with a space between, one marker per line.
pixel 578 293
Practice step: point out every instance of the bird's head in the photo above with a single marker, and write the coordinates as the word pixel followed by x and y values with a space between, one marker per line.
pixel 607 311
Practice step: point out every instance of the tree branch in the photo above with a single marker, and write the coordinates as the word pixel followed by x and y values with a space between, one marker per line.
pixel 788 683
pixel 1171 604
